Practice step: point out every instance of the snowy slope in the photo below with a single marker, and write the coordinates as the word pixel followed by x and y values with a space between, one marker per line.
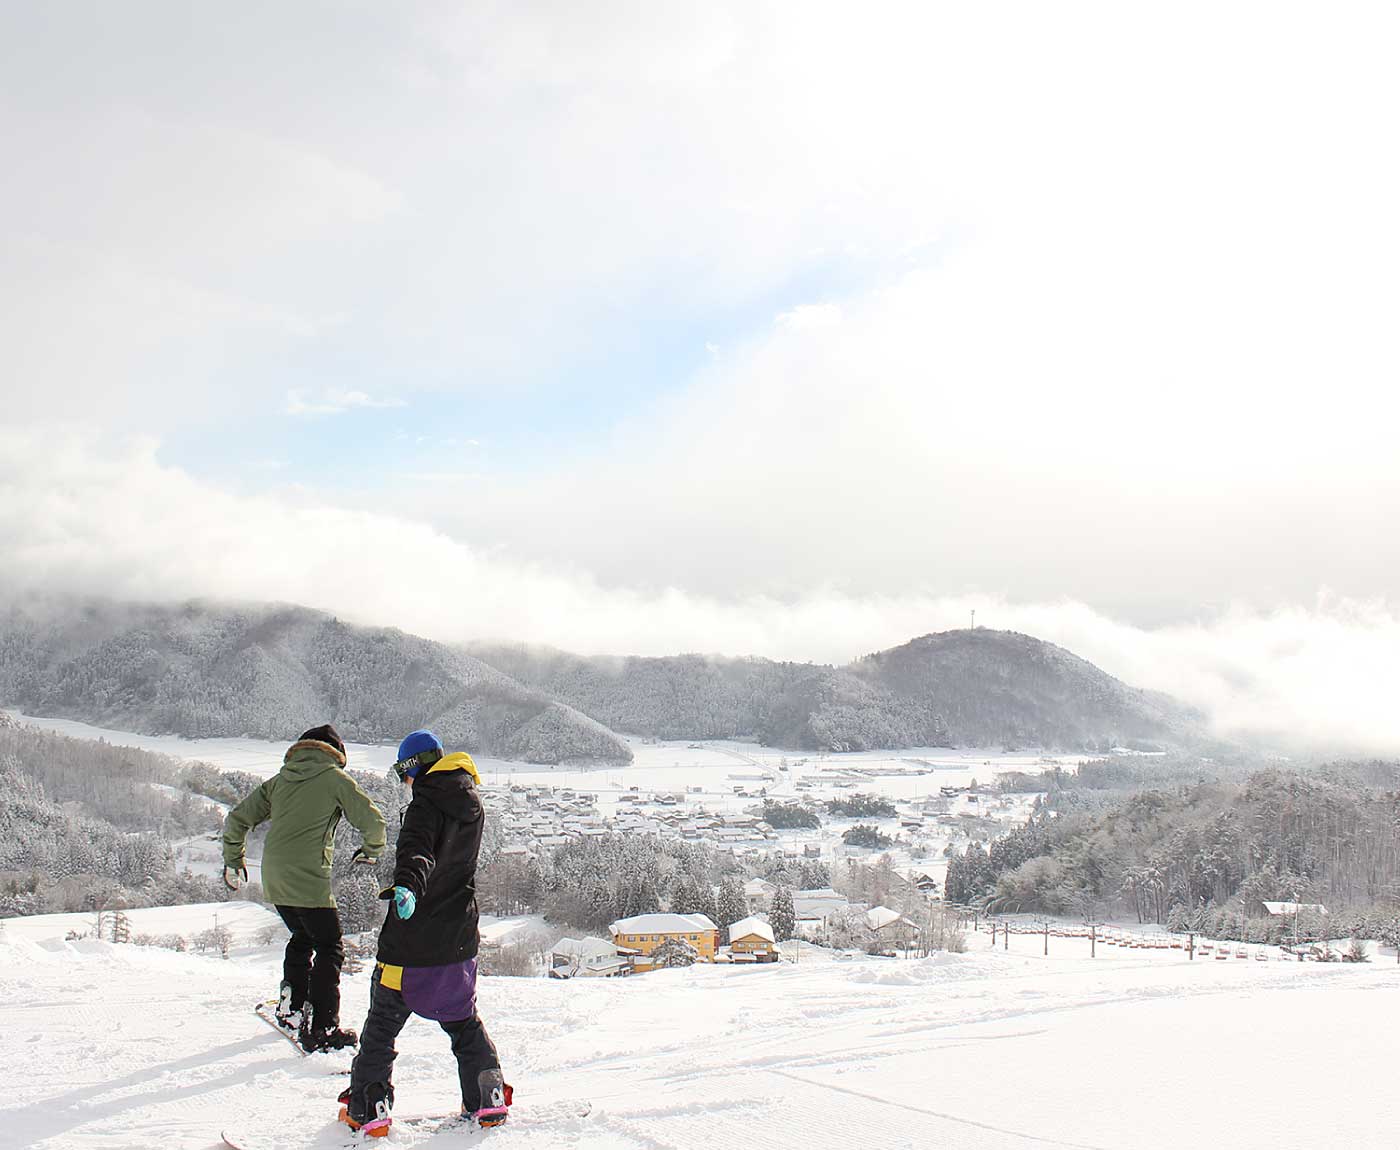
pixel 246 921
pixel 984 1051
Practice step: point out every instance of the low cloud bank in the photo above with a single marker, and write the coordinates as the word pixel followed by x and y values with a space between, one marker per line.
pixel 80 516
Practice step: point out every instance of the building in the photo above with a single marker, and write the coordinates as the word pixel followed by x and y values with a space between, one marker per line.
pixel 813 909
pixel 1286 909
pixel 638 936
pixel 819 903
pixel 890 928
pixel 586 958
pixel 752 940
pixel 925 883
pixel 758 894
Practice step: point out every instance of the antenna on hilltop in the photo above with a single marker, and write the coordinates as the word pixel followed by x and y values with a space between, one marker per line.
pixel 974 619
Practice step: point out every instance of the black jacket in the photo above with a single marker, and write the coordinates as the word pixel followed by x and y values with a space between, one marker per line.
pixel 439 840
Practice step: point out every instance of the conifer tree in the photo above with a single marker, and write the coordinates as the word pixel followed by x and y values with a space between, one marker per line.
pixel 781 915
pixel 731 905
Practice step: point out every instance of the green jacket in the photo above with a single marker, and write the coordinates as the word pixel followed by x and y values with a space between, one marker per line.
pixel 304 801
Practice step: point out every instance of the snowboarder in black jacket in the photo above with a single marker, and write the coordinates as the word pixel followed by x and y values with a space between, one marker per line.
pixel 428 945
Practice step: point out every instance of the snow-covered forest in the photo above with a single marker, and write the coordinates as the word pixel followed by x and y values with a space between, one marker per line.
pixel 1202 847
pixel 85 824
pixel 269 672
pixel 958 688
pixel 203 670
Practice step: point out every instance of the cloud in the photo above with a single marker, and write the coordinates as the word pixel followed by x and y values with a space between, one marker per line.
pixel 808 316
pixel 887 454
pixel 334 401
pixel 651 171
pixel 1043 306
pixel 90 516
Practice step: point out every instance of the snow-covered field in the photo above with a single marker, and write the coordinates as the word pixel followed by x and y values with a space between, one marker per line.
pixel 656 766
pixel 114 1046
pixel 256 756
pixel 708 776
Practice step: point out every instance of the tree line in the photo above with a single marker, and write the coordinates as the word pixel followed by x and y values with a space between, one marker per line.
pixel 1199 851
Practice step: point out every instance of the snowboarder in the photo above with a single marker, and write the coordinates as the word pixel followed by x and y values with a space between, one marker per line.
pixel 305 801
pixel 427 948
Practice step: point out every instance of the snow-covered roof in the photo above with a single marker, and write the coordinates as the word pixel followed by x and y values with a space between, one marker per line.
pixel 757 886
pixel 662 924
pixel 879 917
pixel 1294 907
pixel 807 902
pixel 751 925
pixel 584 948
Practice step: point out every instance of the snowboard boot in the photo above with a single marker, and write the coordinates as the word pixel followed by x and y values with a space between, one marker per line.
pixel 289 1013
pixel 313 1038
pixel 494 1095
pixel 368 1110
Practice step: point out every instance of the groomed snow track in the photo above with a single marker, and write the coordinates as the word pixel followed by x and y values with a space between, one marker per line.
pixel 116 1046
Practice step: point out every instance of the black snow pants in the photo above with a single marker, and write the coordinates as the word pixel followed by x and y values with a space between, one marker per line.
pixel 315 930
pixel 471 1045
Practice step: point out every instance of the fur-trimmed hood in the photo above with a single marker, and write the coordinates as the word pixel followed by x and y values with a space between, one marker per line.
pixel 335 753
pixel 307 758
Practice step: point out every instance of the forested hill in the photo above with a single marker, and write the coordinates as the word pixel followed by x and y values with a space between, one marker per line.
pixel 271 672
pixel 1202 853
pixel 993 687
pixel 958 688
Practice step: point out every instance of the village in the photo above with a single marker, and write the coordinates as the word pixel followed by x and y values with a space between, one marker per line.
pixel 746 815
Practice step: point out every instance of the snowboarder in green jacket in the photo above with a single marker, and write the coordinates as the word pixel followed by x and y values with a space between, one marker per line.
pixel 304 802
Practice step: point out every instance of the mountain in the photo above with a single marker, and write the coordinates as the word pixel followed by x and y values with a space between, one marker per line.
pixel 203 670
pixel 271 671
pixel 996 687
pixel 957 688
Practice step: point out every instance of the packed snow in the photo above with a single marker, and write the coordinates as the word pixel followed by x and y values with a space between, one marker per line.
pixel 989 1050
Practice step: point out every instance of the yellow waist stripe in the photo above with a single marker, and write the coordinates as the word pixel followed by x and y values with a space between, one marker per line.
pixel 390 976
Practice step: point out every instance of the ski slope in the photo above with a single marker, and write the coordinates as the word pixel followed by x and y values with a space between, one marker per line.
pixel 116 1046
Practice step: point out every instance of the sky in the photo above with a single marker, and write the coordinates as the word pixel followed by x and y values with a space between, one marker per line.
pixel 779 329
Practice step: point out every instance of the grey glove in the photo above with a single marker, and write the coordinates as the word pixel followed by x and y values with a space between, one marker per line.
pixel 362 858
pixel 234 877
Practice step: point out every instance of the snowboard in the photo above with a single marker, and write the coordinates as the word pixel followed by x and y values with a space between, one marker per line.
pixel 267 1012
pixel 411 1128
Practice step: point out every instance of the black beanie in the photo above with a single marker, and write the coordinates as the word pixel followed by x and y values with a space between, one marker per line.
pixel 324 734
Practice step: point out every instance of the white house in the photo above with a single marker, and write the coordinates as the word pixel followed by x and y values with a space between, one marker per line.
pixel 818 903
pixel 586 958
pixel 813 909
pixel 889 926
pixel 758 893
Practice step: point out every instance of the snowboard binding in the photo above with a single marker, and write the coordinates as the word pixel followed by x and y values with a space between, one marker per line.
pixel 372 1111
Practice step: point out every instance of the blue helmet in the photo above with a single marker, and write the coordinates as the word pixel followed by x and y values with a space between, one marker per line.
pixel 418 751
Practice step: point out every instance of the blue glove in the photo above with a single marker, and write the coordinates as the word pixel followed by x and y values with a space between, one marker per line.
pixel 404 902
